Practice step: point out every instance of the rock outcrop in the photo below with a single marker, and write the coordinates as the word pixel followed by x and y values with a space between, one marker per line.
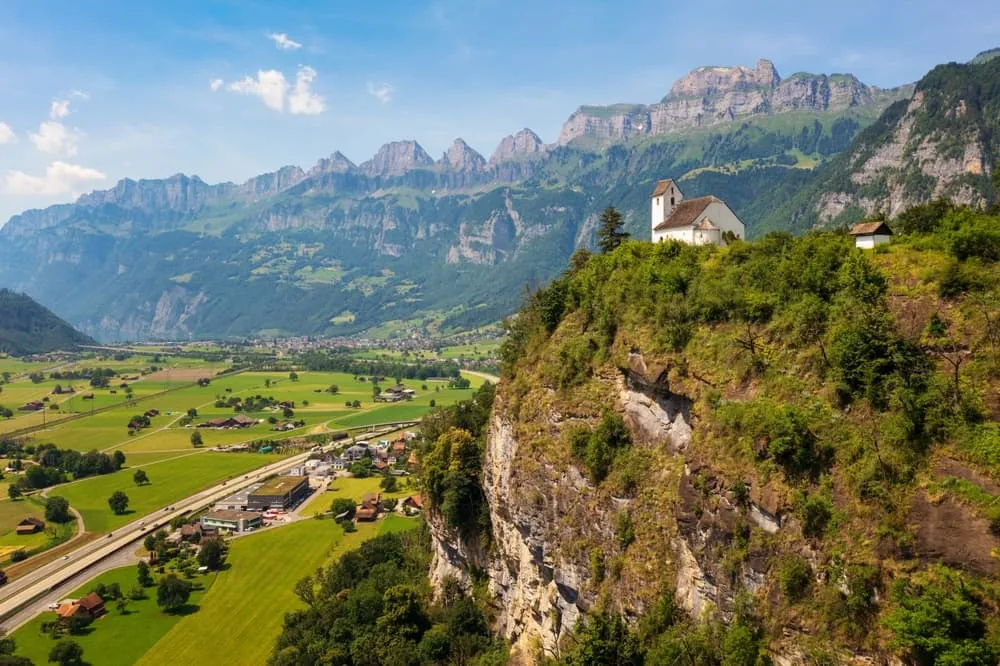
pixel 396 158
pixel 523 144
pixel 460 157
pixel 714 95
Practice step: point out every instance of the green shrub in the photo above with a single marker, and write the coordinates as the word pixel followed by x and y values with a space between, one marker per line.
pixel 815 511
pixel 794 577
pixel 624 531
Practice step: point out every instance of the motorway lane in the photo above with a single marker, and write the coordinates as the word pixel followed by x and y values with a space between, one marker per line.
pixel 22 591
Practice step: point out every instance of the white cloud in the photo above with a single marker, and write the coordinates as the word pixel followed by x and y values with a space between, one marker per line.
pixel 59 178
pixel 283 42
pixel 59 109
pixel 215 84
pixel 302 101
pixel 381 91
pixel 274 90
pixel 270 85
pixel 6 134
pixel 54 137
pixel 79 93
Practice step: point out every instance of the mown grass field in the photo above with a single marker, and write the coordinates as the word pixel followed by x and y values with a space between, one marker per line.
pixel 242 613
pixel 353 489
pixel 12 512
pixel 116 639
pixel 171 480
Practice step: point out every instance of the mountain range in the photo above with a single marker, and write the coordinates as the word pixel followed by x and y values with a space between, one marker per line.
pixel 404 241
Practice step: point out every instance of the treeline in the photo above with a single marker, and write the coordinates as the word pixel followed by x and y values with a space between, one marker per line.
pixel 321 362
pixel 373 607
pixel 51 465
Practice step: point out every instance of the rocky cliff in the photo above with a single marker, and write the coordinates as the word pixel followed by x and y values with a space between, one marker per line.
pixel 710 96
pixel 756 485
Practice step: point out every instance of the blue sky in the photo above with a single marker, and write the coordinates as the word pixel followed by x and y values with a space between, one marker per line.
pixel 98 90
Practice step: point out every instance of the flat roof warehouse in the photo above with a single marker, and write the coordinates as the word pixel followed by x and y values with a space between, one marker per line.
pixel 280 485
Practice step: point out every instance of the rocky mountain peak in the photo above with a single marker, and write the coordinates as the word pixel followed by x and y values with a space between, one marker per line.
pixel 335 163
pixel 521 144
pixel 396 158
pixel 461 157
pixel 709 81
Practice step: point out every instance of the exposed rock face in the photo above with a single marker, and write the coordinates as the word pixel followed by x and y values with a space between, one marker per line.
pixel 336 163
pixel 396 158
pixel 523 144
pixel 910 165
pixel 713 95
pixel 270 184
pixel 460 157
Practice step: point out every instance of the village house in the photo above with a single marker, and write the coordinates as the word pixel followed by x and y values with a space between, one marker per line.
pixel 339 464
pixel 414 503
pixel 91 606
pixel 30 525
pixel 191 532
pixel 693 221
pixel 357 452
pixel 869 234
pixel 371 504
pixel 32 406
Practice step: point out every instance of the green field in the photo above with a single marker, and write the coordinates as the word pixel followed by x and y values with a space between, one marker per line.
pixel 354 489
pixel 115 638
pixel 13 512
pixel 172 479
pixel 241 615
pixel 320 410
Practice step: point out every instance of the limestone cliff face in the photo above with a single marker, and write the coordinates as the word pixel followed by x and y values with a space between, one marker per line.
pixel 396 158
pixel 910 165
pixel 714 95
pixel 550 522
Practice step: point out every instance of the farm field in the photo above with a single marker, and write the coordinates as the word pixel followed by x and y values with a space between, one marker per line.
pixel 170 480
pixel 13 512
pixel 115 639
pixel 353 489
pixel 263 566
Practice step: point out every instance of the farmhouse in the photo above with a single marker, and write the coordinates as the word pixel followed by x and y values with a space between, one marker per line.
pixel 90 606
pixel 30 526
pixel 237 421
pixel 693 221
pixel 233 521
pixel 369 508
pixel 280 492
pixel 32 406
pixel 869 234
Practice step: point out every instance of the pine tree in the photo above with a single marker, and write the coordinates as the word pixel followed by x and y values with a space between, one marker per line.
pixel 610 234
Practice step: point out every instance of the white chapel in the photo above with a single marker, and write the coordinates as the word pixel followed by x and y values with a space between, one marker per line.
pixel 693 221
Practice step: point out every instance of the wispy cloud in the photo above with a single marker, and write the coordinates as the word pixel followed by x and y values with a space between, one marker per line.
pixel 79 94
pixel 381 91
pixel 215 84
pixel 7 135
pixel 283 41
pixel 274 90
pixel 59 178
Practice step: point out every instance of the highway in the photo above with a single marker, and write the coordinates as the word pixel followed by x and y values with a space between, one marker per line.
pixel 24 590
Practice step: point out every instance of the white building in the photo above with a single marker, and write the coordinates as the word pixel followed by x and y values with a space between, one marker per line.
pixel 693 221
pixel 869 234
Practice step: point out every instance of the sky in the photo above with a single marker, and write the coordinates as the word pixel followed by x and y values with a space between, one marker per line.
pixel 98 90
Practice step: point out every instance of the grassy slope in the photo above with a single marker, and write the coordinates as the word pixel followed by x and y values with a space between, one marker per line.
pixel 241 615
pixel 114 639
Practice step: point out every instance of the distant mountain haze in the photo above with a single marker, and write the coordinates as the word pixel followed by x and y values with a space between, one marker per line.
pixel 403 240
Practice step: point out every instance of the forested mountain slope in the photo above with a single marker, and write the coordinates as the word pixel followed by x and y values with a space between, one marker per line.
pixel 784 451
pixel 943 142
pixel 28 328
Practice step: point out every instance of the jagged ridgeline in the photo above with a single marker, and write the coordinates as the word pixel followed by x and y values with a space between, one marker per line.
pixel 783 450
pixel 28 328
